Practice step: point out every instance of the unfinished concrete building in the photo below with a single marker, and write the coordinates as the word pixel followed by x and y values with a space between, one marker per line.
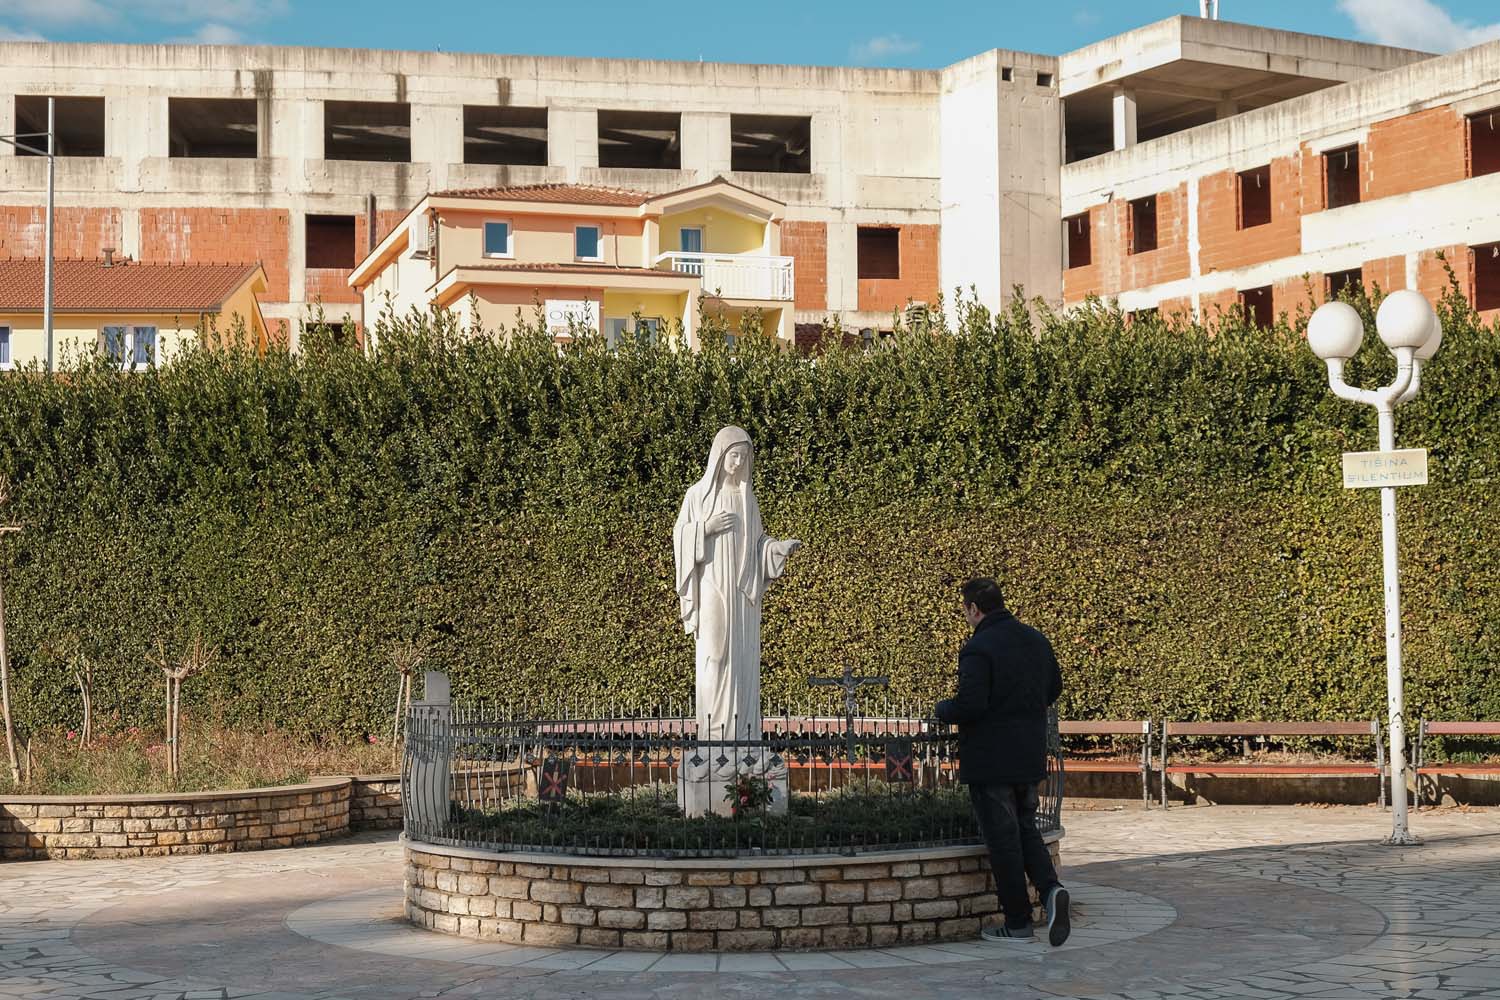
pixel 1187 165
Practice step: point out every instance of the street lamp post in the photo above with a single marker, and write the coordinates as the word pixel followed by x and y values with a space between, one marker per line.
pixel 51 154
pixel 1409 327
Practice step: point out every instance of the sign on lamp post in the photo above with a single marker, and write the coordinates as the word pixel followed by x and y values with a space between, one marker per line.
pixel 1409 327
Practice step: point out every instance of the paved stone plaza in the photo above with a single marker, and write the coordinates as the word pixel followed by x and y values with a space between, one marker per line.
pixel 1205 903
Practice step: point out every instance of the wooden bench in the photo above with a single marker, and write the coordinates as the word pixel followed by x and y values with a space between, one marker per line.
pixel 1112 727
pixel 1244 730
pixel 1428 728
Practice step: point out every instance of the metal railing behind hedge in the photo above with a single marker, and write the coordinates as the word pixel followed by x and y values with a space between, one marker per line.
pixel 504 781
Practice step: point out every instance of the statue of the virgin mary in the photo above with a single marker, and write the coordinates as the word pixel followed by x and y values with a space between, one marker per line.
pixel 724 562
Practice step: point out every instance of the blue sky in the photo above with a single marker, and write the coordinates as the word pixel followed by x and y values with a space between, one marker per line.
pixel 928 33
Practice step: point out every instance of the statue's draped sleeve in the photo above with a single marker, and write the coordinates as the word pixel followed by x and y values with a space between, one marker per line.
pixel 688 548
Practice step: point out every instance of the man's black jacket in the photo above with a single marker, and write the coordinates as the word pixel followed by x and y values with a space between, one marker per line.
pixel 1007 678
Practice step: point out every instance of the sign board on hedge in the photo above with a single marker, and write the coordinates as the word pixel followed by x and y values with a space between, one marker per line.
pixel 1406 467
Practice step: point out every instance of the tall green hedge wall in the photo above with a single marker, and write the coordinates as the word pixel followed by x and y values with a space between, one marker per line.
pixel 1162 500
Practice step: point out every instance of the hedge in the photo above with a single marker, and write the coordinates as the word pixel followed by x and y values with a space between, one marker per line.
pixel 1162 499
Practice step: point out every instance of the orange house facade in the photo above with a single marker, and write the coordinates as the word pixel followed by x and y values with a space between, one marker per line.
pixel 615 262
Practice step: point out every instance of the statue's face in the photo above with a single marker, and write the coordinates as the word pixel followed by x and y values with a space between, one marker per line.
pixel 734 460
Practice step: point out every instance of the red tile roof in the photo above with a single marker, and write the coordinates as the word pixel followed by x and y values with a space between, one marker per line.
pixel 127 286
pixel 558 194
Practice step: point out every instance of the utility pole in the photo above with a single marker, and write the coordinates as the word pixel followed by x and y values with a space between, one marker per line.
pixel 20 141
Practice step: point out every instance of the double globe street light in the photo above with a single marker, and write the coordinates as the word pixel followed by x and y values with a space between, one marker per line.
pixel 1409 327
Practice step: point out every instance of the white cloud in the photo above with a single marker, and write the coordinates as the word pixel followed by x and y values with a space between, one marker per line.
pixel 883 47
pixel 170 11
pixel 62 11
pixel 1415 24
pixel 210 34
pixel 19 35
pixel 1085 18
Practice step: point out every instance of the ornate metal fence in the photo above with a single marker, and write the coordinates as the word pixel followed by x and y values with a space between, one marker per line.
pixel 602 785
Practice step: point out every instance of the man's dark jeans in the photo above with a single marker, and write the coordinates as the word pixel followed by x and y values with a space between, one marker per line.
pixel 1007 820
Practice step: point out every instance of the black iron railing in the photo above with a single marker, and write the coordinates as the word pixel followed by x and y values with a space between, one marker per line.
pixel 488 778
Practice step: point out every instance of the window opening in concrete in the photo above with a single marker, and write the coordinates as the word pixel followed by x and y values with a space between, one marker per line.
pixel 205 126
pixel 330 242
pixel 777 144
pixel 505 136
pixel 1044 79
pixel 879 251
pixel 640 139
pixel 378 131
pixel 1079 240
pixel 1007 73
pixel 1255 197
pixel 1486 268
pixel 1143 225
pixel 80 125
pixel 1256 304
pixel 1484 143
pixel 1337 283
pixel 1341 175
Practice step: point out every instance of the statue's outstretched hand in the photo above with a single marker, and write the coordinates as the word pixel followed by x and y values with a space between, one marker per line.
pixel 792 545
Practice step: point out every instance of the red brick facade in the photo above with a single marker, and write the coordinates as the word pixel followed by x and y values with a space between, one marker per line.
pixel 1113 268
pixel 222 235
pixel 919 279
pixel 1413 152
pixel 80 233
pixel 1224 244
pixel 807 244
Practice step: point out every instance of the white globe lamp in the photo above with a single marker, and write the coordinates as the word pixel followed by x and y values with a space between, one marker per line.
pixel 1434 340
pixel 1335 331
pixel 1404 320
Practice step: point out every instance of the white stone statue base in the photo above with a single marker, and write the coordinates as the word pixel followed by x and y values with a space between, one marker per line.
pixel 700 787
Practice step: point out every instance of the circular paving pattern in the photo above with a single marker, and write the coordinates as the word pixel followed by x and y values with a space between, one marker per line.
pixel 1212 903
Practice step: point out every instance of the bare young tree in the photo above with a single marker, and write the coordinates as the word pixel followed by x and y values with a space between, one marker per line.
pixel 10 726
pixel 83 676
pixel 406 656
pixel 196 659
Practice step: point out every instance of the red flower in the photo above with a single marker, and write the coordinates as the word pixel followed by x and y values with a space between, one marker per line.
pixel 72 734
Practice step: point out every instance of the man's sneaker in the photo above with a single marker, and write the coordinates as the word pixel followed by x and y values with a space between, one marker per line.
pixel 1021 935
pixel 1058 924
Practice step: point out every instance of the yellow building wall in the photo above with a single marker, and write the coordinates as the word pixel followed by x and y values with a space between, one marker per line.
pixel 242 307
pixel 651 305
pixel 78 334
pixel 723 231
pixel 535 239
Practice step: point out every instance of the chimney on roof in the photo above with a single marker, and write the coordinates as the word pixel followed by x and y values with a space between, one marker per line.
pixel 109 256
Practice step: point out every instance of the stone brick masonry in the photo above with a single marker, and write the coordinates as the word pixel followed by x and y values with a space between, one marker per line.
pixel 188 823
pixel 825 902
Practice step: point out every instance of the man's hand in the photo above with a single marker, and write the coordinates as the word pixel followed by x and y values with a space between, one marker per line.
pixel 720 523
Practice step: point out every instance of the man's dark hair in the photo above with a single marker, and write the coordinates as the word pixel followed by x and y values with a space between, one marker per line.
pixel 984 594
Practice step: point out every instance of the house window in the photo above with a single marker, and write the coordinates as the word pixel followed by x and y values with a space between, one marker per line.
pixel 879 252
pixel 1341 176
pixel 5 362
pixel 1143 225
pixel 1006 73
pixel 211 127
pixel 79 121
pixel 1254 197
pixel 1079 241
pixel 1486 267
pixel 640 139
pixel 497 239
pixel 1256 305
pixel 588 243
pixel 690 239
pixel 615 333
pixel 1044 79
pixel 130 347
pixel 378 131
pixel 1338 283
pixel 1484 143
pixel 770 143
pixel 505 135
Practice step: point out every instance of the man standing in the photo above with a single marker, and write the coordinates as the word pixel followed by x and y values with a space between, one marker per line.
pixel 1007 679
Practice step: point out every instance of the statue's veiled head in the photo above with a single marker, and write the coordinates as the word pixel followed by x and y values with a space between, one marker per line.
pixel 732 455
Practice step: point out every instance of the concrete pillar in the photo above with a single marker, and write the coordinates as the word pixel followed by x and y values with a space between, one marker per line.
pixel 437 139
pixel 573 140
pixel 705 144
pixel 8 127
pixel 1124 118
pixel 1226 109
pixel 843 267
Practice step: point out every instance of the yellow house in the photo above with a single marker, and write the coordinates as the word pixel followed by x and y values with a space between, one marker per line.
pixel 137 314
pixel 592 257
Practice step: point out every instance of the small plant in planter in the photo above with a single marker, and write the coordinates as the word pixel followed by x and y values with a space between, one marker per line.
pixel 747 795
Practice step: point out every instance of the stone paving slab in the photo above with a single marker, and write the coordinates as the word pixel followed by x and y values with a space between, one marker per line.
pixel 1264 903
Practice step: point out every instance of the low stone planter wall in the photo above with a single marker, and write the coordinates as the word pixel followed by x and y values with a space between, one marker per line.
pixel 703 904
pixel 375 802
pixel 125 826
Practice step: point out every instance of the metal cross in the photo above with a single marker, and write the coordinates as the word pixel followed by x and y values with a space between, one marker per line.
pixel 851 685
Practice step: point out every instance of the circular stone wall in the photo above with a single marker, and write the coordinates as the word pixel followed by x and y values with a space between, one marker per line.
pixel 704 904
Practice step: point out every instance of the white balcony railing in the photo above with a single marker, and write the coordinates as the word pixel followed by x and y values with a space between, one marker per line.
pixel 735 276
